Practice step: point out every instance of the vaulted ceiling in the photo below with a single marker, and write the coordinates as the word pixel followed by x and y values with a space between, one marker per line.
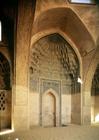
pixel 67 21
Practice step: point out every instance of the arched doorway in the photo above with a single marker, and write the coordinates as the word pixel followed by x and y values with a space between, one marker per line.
pixel 5 94
pixel 48 110
pixel 95 97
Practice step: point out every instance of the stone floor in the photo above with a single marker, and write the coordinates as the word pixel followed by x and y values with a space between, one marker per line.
pixel 72 132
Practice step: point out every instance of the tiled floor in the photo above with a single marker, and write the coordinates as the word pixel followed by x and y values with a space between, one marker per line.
pixel 72 132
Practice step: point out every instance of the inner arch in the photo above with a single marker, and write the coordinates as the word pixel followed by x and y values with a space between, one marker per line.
pixel 55 65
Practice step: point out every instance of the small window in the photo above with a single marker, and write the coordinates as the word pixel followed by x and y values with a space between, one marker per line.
pixel 0 31
pixel 83 1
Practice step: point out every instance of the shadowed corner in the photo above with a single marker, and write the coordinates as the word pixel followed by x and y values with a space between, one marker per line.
pixel 97 2
pixel 97 42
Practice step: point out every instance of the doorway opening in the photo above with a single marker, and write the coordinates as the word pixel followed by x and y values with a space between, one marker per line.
pixel 5 94
pixel 49 110
pixel 95 98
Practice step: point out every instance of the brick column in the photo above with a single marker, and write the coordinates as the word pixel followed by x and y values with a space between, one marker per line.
pixel 24 28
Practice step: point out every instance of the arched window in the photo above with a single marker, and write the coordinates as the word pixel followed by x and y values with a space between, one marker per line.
pixel 0 31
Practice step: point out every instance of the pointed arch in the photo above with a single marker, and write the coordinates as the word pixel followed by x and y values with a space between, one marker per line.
pixel 87 88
